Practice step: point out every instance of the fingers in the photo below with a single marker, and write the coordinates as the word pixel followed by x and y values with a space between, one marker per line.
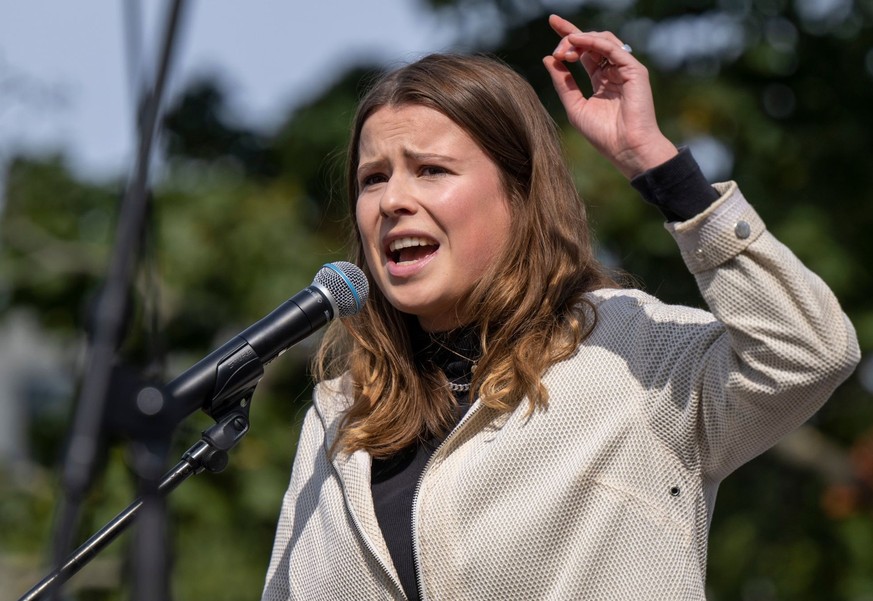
pixel 564 51
pixel 562 26
pixel 594 49
pixel 563 81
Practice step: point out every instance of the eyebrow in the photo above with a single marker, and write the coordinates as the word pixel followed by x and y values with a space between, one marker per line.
pixel 409 154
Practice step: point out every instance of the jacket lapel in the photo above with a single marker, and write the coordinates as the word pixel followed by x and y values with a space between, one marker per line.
pixel 353 472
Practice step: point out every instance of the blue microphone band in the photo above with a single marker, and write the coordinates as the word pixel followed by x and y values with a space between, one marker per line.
pixel 358 302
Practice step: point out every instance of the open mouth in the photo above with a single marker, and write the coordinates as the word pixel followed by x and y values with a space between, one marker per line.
pixel 411 249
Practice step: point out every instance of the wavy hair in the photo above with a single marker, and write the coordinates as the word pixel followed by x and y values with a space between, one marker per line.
pixel 530 306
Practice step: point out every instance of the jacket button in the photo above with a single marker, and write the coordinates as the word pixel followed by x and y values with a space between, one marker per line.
pixel 743 230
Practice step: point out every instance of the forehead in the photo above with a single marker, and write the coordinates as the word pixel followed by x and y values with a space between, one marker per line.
pixel 415 126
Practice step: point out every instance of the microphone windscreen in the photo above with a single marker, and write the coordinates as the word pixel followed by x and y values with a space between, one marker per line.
pixel 346 283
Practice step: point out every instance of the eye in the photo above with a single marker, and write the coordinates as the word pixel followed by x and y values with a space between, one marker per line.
pixel 433 170
pixel 371 179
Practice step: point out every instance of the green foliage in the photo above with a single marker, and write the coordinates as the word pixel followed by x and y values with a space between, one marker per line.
pixel 55 233
pixel 228 243
pixel 197 128
pixel 243 219
pixel 312 146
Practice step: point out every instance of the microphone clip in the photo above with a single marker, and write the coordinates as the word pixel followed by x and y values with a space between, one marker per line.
pixel 210 453
pixel 235 380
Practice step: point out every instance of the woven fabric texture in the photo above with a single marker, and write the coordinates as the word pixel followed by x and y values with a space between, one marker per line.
pixel 608 493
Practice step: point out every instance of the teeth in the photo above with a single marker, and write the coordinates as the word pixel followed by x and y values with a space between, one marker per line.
pixel 402 243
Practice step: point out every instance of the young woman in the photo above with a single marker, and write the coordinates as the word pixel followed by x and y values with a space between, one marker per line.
pixel 503 421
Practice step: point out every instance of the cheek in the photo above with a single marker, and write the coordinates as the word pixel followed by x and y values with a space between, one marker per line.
pixel 362 221
pixel 359 218
pixel 369 237
pixel 495 232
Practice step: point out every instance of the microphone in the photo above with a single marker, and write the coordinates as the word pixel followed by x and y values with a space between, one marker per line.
pixel 229 374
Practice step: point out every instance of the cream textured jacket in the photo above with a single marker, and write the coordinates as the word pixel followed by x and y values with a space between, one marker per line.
pixel 608 493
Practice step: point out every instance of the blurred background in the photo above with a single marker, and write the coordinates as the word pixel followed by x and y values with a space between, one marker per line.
pixel 247 204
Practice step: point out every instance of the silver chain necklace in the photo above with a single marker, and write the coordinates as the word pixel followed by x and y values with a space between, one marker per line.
pixel 455 387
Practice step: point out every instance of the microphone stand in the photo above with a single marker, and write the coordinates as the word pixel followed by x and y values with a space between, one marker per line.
pixel 86 433
pixel 210 453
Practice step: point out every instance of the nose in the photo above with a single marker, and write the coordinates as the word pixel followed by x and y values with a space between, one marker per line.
pixel 398 197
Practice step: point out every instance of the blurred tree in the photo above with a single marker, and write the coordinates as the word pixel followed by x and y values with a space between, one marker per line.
pixel 772 93
pixel 197 127
pixel 311 145
pixel 233 237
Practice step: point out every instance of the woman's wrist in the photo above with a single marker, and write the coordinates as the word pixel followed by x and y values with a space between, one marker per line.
pixel 648 157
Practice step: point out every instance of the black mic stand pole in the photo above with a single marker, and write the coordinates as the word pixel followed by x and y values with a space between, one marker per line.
pixel 228 404
pixel 150 445
pixel 83 444
pixel 209 453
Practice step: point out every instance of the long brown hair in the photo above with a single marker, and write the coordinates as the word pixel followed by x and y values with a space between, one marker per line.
pixel 528 307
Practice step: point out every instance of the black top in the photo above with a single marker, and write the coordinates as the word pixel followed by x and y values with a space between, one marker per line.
pixel 678 189
pixel 394 480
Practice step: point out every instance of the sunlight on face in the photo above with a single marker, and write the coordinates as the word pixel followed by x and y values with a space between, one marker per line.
pixel 431 210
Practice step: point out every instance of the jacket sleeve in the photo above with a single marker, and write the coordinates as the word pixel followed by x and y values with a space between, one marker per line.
pixel 784 346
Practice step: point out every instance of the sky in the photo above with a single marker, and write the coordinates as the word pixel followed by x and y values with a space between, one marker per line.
pixel 66 85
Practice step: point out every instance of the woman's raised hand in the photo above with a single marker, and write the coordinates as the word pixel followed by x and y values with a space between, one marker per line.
pixel 618 117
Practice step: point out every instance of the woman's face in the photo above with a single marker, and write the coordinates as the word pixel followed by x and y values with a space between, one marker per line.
pixel 431 211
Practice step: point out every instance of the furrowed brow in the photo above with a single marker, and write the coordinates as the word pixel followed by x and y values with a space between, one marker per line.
pixel 428 156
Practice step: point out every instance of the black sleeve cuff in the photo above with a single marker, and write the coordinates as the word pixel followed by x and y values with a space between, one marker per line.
pixel 677 187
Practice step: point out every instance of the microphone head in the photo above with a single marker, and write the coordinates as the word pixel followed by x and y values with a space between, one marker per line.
pixel 346 284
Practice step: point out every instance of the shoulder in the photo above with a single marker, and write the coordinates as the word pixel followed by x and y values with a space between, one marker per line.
pixel 641 324
pixel 330 400
pixel 624 304
pixel 624 298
